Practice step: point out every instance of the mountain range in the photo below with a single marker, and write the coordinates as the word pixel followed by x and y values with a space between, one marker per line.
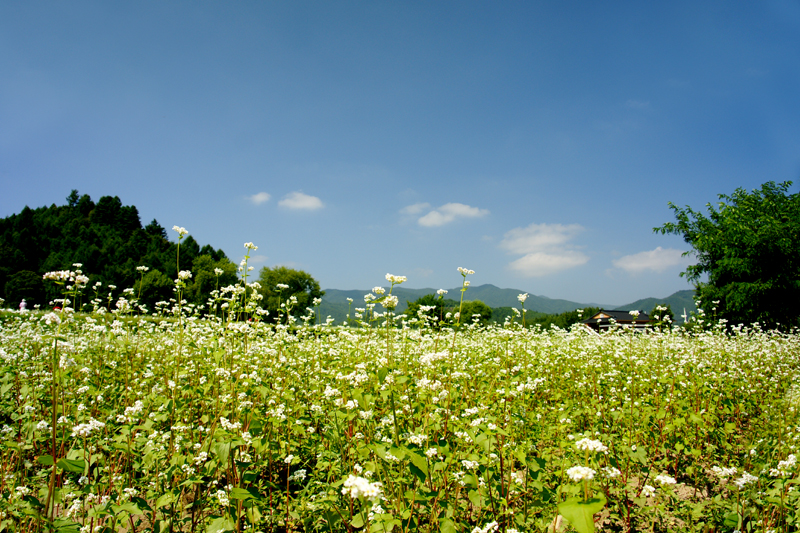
pixel 335 305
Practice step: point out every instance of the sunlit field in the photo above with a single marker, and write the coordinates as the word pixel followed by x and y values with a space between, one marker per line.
pixel 223 419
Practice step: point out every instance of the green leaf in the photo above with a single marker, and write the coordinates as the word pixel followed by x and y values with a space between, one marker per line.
pixel 357 521
pixel 72 465
pixel 46 460
pixel 223 450
pixel 475 498
pixel 127 507
pixel 165 499
pixel 238 493
pixel 580 513
pixel 220 525
pixel 447 526
pixel 418 460
pixel 382 372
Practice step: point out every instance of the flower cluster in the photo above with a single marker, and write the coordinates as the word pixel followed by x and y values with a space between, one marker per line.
pixel 360 487
pixel 395 280
pixel 580 473
pixel 590 445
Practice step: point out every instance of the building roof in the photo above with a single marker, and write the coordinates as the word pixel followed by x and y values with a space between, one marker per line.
pixel 603 318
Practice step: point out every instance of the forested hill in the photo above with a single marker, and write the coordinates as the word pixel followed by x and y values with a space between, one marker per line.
pixel 108 239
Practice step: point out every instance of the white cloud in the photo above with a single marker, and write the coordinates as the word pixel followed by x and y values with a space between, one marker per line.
pixel 637 104
pixel 657 260
pixel 299 200
pixel 415 209
pixel 258 259
pixel 545 248
pixel 448 213
pixel 259 198
pixel 538 264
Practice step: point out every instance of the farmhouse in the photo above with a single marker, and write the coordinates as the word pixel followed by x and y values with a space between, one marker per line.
pixel 604 319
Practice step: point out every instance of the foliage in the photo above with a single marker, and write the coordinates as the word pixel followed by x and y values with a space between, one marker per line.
pixel 25 285
pixel 108 240
pixel 431 306
pixel 749 248
pixel 562 320
pixel 473 310
pixel 662 316
pixel 296 297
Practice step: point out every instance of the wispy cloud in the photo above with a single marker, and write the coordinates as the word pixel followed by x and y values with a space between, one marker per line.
pixel 545 248
pixel 657 260
pixel 448 213
pixel 259 198
pixel 299 200
pixel 415 209
pixel 637 104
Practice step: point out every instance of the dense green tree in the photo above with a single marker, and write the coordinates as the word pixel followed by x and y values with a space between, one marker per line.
pixel 436 307
pixel 25 285
pixel 205 279
pixel 108 239
pixel 662 316
pixel 562 320
pixel 474 309
pixel 748 246
pixel 299 284
pixel 153 287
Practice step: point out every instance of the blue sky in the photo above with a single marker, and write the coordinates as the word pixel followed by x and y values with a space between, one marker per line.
pixel 535 143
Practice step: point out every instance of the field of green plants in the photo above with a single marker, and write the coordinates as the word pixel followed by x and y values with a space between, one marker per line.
pixel 218 419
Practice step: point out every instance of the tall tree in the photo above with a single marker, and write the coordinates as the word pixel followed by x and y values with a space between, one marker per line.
pixel 108 239
pixel 280 284
pixel 749 248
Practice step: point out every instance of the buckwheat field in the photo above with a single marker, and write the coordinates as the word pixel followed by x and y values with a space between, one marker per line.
pixel 221 418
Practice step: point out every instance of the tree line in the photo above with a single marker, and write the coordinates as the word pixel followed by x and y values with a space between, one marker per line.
pixel 109 242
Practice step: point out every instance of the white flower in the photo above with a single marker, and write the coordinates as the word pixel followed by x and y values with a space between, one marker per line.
pixel 417 439
pixel 396 280
pixel 431 453
pixel 184 274
pixel 250 246
pixel 464 272
pixel 723 472
pixel 591 445
pixel 222 496
pixel 648 491
pixel 441 292
pixel 390 302
pixel 665 479
pixel 522 297
pixel 579 473
pixel 378 290
pixel 181 231
pixel 746 479
pixel 142 268
pixel 488 528
pixel 611 472
pixel 360 487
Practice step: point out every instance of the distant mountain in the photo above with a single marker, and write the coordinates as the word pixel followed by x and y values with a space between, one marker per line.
pixel 679 301
pixel 335 304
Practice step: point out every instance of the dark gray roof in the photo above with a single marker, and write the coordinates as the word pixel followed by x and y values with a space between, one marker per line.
pixel 604 316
